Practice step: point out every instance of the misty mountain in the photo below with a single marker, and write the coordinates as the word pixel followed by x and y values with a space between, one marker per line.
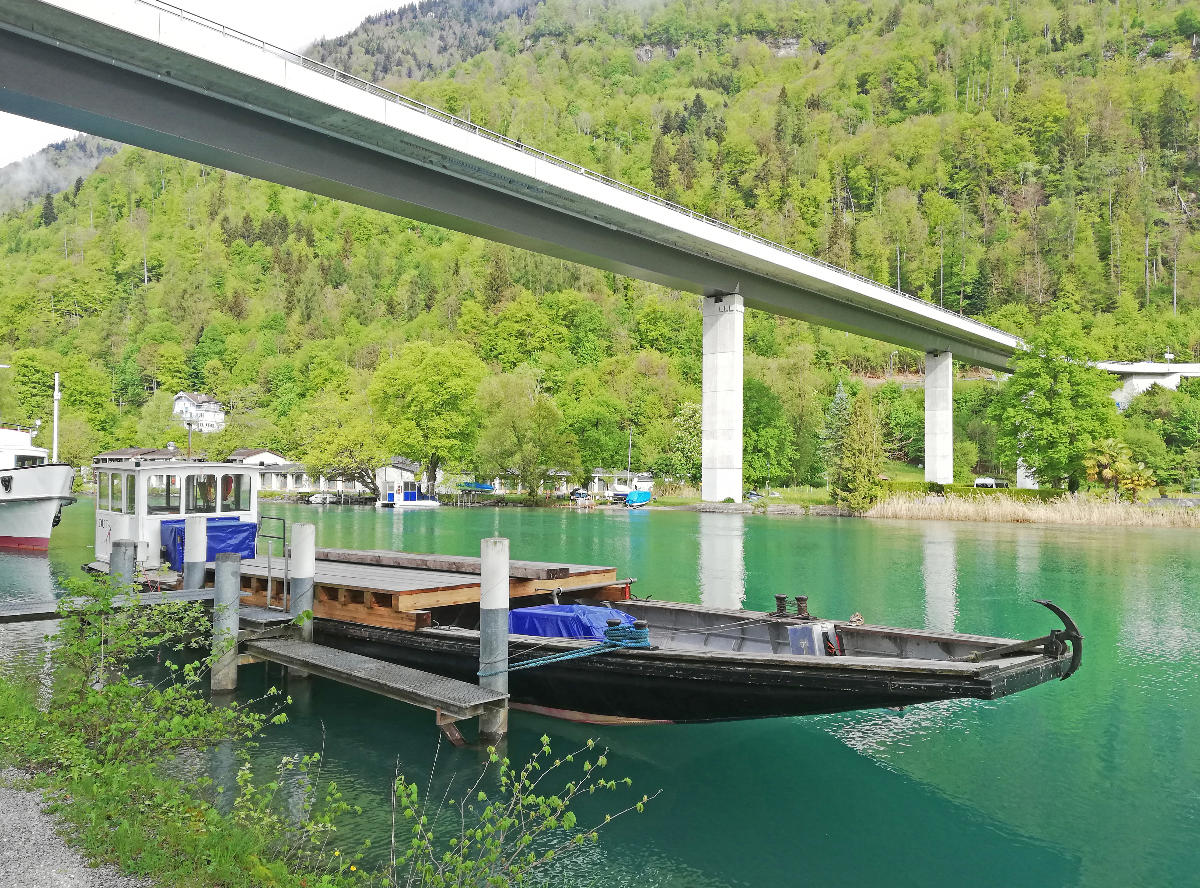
pixel 55 168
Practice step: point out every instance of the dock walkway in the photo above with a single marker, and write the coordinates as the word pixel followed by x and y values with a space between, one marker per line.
pixel 448 697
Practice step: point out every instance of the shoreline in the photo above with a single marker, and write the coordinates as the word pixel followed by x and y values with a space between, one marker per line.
pixel 33 852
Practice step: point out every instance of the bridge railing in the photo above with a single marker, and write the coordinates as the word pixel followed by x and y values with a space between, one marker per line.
pixel 437 113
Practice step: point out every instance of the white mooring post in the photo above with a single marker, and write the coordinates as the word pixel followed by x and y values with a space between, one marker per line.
pixel 303 571
pixel 122 562
pixel 227 593
pixel 493 632
pixel 195 551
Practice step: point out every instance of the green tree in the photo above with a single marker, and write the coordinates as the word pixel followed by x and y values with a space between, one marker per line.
pixel 681 458
pixel 768 439
pixel 342 437
pixel 837 420
pixel 966 455
pixel 425 404
pixel 522 432
pixel 49 214
pixel 1054 404
pixel 860 458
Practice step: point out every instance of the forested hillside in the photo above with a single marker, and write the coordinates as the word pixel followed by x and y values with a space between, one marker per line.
pixel 1005 160
pixel 52 169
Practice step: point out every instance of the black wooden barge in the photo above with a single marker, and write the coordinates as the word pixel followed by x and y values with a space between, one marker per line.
pixel 713 664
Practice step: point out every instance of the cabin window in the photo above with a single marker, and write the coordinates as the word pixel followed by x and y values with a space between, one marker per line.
pixel 130 495
pixel 200 493
pixel 235 493
pixel 24 460
pixel 162 495
pixel 102 490
pixel 118 493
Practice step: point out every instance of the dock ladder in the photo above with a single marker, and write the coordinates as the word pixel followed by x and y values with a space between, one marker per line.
pixel 271 539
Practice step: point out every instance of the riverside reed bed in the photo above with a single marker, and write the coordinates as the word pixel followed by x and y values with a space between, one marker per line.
pixel 1082 509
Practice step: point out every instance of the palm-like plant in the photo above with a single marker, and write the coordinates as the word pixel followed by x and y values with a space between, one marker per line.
pixel 1110 462
pixel 1106 461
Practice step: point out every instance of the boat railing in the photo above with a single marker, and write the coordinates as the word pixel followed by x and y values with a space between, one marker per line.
pixel 271 539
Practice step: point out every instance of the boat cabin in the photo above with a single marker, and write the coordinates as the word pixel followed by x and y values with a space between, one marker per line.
pixel 17 450
pixel 136 494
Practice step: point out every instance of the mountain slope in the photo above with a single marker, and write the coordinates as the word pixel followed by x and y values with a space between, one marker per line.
pixel 1007 162
pixel 53 169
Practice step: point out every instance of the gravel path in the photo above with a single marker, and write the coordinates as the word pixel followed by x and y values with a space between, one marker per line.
pixel 33 855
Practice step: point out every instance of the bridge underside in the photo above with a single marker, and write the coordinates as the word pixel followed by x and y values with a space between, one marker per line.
pixel 65 88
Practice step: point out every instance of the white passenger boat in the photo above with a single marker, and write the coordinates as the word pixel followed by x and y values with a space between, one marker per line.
pixel 137 490
pixel 32 490
pixel 405 495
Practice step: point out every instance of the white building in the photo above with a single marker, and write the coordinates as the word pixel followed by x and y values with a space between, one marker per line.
pixel 281 475
pixel 199 411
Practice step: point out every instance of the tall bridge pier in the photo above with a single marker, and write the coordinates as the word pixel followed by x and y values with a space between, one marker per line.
pixel 939 417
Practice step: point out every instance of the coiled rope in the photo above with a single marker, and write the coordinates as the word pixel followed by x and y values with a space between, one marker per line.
pixel 615 638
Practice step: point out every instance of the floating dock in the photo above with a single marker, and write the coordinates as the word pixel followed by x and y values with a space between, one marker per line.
pixel 396 590
pixel 448 697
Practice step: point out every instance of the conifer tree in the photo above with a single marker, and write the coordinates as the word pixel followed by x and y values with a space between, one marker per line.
pixel 837 417
pixel 860 459
pixel 49 216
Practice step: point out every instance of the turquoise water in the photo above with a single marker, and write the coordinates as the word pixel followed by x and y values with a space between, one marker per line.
pixel 1092 782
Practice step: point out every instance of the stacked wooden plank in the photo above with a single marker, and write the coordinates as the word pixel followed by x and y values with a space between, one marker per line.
pixel 398 590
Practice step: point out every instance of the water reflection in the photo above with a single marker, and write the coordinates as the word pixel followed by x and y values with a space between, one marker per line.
pixel 939 567
pixel 722 559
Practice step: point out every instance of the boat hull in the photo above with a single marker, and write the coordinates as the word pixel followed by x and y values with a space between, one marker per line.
pixel 30 500
pixel 674 686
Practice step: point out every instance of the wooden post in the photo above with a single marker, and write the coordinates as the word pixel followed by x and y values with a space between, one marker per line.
pixel 122 563
pixel 227 582
pixel 493 632
pixel 195 551
pixel 303 570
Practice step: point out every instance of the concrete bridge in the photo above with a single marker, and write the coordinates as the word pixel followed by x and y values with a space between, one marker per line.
pixel 149 74
pixel 1137 376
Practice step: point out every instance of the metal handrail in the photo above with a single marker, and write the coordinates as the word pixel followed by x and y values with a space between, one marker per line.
pixel 381 92
pixel 271 538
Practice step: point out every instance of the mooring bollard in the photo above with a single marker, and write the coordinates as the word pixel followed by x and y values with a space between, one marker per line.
pixel 227 594
pixel 195 551
pixel 493 632
pixel 303 570
pixel 122 563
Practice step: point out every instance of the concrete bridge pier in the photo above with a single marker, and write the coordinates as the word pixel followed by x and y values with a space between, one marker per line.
pixel 939 417
pixel 721 407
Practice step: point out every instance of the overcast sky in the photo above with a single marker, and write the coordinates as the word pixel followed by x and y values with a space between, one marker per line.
pixel 292 24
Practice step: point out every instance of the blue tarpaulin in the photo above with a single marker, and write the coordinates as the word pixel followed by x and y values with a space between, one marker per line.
pixel 564 620
pixel 224 535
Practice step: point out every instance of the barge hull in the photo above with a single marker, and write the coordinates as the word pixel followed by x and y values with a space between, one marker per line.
pixel 635 687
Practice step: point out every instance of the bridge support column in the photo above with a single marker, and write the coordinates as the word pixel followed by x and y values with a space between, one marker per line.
pixel 721 408
pixel 939 417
